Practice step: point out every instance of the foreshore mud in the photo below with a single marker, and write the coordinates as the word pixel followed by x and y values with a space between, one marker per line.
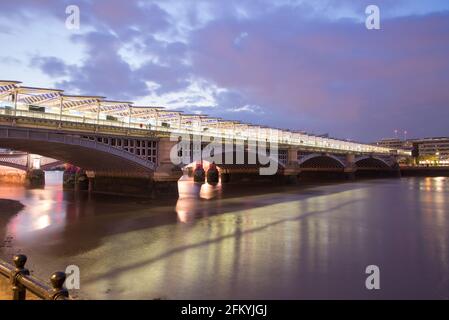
pixel 8 208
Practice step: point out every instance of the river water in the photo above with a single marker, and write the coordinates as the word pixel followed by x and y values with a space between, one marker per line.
pixel 242 242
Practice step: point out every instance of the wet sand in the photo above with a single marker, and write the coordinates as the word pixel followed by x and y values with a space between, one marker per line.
pixel 8 208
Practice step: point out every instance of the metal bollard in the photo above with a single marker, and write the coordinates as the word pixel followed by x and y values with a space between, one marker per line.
pixel 57 281
pixel 18 290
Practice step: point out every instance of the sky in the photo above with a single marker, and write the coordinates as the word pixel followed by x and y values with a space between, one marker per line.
pixel 294 64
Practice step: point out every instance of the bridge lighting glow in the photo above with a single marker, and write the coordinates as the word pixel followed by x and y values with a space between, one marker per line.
pixel 36 164
pixel 54 105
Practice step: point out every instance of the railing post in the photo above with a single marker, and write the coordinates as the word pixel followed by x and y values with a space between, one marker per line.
pixel 57 281
pixel 18 290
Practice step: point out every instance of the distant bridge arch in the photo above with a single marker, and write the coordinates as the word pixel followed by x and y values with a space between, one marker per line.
pixel 370 162
pixel 221 156
pixel 20 161
pixel 318 161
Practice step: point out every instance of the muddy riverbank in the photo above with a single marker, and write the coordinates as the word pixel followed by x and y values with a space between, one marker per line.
pixel 8 208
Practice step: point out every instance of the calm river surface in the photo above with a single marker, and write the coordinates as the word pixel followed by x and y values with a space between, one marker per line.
pixel 286 243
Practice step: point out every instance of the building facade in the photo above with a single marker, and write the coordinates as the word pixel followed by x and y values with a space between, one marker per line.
pixel 391 143
pixel 425 151
pixel 431 151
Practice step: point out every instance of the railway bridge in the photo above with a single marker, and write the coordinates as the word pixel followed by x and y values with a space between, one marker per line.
pixel 27 161
pixel 128 148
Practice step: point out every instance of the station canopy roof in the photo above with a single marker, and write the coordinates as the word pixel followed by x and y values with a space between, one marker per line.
pixel 10 90
pixel 90 103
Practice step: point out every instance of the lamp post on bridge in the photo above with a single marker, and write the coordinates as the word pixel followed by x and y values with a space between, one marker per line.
pixel 98 114
pixel 61 106
pixel 15 95
pixel 130 113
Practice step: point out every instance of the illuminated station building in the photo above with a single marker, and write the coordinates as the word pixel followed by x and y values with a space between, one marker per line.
pixel 425 151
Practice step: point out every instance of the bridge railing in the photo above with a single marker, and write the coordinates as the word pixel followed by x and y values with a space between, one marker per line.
pixel 303 140
pixel 101 122
pixel 21 282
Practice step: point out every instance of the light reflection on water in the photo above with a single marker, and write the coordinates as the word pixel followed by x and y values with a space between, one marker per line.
pixel 303 243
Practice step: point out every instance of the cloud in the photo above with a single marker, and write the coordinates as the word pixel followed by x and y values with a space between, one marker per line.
pixel 52 66
pixel 289 63
pixel 336 72
pixel 246 108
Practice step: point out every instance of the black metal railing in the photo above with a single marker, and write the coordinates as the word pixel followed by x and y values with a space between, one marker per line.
pixel 21 281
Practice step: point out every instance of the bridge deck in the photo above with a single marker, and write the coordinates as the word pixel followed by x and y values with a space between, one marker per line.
pixel 107 128
pixel 53 121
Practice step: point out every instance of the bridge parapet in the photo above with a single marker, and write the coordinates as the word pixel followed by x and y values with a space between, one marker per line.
pixel 163 122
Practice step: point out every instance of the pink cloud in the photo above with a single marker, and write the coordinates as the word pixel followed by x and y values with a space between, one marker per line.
pixel 332 71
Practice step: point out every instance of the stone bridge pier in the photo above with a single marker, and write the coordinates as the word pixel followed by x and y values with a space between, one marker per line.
pixel 159 182
pixel 350 167
pixel 292 168
pixel 35 175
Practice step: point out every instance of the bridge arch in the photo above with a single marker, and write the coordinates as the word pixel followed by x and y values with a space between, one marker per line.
pixel 371 162
pixel 19 162
pixel 70 147
pixel 223 154
pixel 13 165
pixel 271 167
pixel 316 160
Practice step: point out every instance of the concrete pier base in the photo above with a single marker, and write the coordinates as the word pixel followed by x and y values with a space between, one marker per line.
pixel 81 181
pixel 291 180
pixel 132 186
pixel 212 176
pixel 350 175
pixel 35 178
pixel 292 170
pixel 164 181
pixel 75 181
pixel 68 180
